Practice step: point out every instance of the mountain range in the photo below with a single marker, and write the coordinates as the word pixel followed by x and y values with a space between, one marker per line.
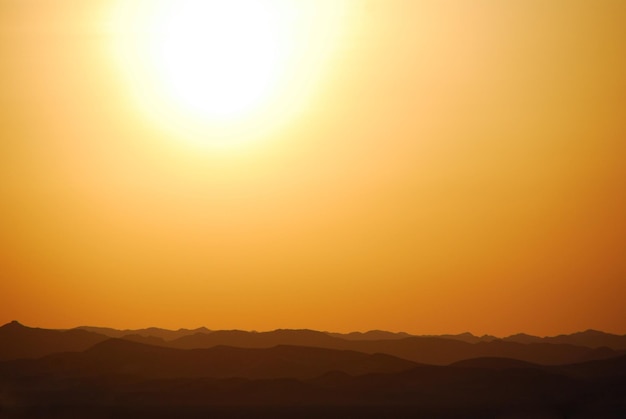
pixel 86 372
pixel 19 341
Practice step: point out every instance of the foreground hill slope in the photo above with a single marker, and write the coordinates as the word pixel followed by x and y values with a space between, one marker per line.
pixel 52 387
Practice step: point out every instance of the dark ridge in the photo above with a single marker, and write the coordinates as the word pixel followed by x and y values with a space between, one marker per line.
pixel 257 339
pixel 523 338
pixel 148 340
pixel 424 350
pixel 124 357
pixel 121 346
pixel 13 325
pixel 19 341
pixel 494 363
pixel 370 335
pixel 592 339
pixel 469 338
pixel 612 367
pixel 588 338
pixel 156 332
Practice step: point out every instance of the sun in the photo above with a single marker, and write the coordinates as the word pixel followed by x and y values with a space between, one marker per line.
pixel 224 71
pixel 219 58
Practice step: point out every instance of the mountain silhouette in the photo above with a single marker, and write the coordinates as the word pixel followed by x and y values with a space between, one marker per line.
pixel 157 332
pixel 523 338
pixel 591 339
pixel 613 367
pixel 148 340
pixel 588 338
pixel 18 341
pixel 494 363
pixel 370 335
pixel 124 357
pixel 120 378
pixel 306 373
pixel 424 350
pixel 466 337
pixel 258 339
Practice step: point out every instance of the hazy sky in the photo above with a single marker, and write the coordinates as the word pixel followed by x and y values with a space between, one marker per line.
pixel 454 166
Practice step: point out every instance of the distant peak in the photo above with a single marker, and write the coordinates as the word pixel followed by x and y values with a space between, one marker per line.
pixel 198 329
pixel 14 325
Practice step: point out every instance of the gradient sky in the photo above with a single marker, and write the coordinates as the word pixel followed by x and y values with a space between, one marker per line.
pixel 459 167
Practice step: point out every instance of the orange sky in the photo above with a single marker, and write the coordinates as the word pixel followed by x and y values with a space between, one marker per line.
pixel 458 167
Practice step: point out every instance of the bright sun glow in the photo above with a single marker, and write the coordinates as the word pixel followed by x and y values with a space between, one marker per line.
pixel 223 72
pixel 220 58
